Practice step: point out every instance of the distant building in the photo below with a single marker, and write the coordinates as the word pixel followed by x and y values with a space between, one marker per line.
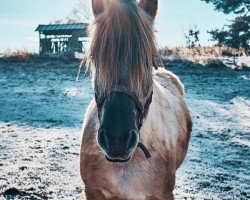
pixel 59 38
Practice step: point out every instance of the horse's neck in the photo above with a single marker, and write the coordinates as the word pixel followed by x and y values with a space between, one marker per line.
pixel 160 127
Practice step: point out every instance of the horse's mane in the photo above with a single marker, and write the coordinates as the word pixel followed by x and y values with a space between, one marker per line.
pixel 122 49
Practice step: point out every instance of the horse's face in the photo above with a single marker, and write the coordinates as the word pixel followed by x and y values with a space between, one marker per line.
pixel 118 135
pixel 122 52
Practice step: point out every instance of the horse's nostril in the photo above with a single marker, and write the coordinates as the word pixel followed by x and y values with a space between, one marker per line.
pixel 133 133
pixel 102 139
pixel 102 131
pixel 132 140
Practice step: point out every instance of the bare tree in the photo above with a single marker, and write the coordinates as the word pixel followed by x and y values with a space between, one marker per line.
pixel 192 37
pixel 80 12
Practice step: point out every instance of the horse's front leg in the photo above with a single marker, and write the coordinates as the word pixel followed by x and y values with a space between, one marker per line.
pixel 168 196
pixel 94 195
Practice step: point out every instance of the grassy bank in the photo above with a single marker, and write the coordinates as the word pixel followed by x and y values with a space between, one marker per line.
pixel 206 56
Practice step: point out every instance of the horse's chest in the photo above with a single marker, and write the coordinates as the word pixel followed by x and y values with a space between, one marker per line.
pixel 125 184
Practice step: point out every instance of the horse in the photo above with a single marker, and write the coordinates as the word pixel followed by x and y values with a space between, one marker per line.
pixel 137 128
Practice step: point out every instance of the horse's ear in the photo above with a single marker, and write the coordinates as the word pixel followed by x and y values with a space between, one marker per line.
pixel 97 7
pixel 150 7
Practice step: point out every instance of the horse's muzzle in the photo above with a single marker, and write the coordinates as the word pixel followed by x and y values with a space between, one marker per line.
pixel 117 149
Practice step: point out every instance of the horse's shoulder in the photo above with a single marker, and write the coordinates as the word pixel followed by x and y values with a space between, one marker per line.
pixel 90 123
pixel 168 79
pixel 91 115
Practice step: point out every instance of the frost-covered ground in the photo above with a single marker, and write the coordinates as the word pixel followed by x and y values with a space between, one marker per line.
pixel 41 111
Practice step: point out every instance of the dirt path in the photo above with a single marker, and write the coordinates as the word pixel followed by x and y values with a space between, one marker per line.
pixel 40 132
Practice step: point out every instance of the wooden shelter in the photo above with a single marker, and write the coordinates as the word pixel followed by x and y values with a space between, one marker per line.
pixel 58 38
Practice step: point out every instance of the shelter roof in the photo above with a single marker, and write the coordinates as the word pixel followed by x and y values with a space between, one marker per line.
pixel 61 27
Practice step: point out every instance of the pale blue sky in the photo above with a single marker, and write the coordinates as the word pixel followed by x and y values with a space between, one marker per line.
pixel 19 18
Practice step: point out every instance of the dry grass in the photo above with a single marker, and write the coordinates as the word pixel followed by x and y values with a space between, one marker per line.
pixel 207 56
pixel 16 54
pixel 24 55
pixel 202 55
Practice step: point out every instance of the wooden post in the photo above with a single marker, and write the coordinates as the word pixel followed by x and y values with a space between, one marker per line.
pixel 40 43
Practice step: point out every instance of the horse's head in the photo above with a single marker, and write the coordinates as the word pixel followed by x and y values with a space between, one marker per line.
pixel 122 51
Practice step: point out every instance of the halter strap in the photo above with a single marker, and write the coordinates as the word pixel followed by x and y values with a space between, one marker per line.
pixel 143 109
pixel 120 89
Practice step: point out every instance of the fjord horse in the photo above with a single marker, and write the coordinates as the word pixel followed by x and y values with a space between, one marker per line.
pixel 136 131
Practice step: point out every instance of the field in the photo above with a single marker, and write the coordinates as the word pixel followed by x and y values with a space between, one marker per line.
pixel 41 112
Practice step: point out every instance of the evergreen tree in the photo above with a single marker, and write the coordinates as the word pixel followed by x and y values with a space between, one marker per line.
pixel 237 33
